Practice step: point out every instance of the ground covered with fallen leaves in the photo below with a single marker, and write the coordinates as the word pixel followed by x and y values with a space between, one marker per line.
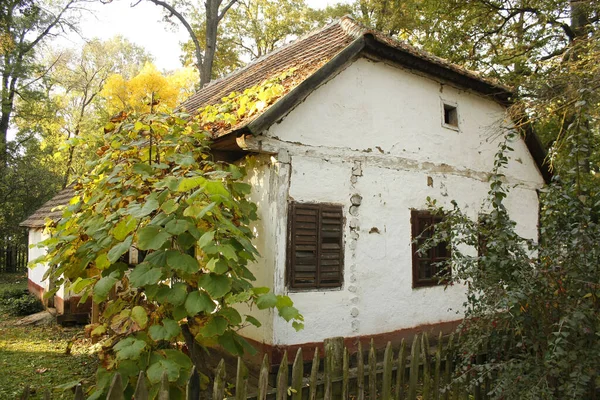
pixel 40 356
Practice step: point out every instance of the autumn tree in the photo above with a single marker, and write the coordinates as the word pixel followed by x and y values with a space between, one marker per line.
pixel 148 90
pixel 156 190
pixel 212 12
pixel 253 28
pixel 24 26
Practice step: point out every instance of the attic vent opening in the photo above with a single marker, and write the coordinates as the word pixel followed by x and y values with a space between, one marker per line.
pixel 450 116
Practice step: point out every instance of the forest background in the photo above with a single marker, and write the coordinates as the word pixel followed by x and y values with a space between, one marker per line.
pixel 54 103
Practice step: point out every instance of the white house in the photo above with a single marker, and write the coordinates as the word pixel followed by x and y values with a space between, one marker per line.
pixel 345 162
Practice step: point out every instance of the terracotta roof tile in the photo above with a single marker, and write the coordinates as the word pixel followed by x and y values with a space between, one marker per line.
pixel 318 46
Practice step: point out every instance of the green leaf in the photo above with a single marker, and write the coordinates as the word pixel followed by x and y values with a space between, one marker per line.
pixel 155 371
pixel 231 314
pixel 145 274
pixel 129 348
pixel 298 326
pixel 198 210
pixel 289 313
pixel 117 251
pixel 139 316
pixel 284 301
pixel 187 184
pixel 197 302
pixel 124 227
pixel 206 239
pixel 229 343
pixel 149 206
pixel 167 331
pixel 182 262
pixel 177 226
pixel 174 295
pixel 104 285
pixel 216 326
pixel 169 206
pixel 216 285
pixel 81 284
pixel 152 238
pixel 253 321
pixel 268 300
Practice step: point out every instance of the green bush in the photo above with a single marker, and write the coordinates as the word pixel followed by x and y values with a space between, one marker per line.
pixel 12 293
pixel 19 302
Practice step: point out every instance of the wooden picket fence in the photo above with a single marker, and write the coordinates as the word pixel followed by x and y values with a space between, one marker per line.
pixel 409 373
pixel 13 256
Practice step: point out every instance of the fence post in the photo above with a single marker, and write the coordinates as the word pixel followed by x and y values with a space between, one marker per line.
pixel 192 387
pixel 219 384
pixel 313 376
pixel 282 378
pixel 346 373
pixel 263 379
pixel 372 371
pixel 401 371
pixel 360 373
pixel 414 369
pixel 241 381
pixel 297 373
pixel 334 353
pixel 116 388
pixel 386 390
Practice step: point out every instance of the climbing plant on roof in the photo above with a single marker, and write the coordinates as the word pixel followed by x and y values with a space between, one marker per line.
pixel 156 188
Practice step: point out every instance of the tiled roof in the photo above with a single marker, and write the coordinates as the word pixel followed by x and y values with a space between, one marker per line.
pixel 38 218
pixel 315 48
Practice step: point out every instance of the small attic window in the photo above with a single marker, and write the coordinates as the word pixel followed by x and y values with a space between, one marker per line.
pixel 450 116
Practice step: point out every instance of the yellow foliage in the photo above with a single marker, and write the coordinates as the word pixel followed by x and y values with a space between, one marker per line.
pixel 148 87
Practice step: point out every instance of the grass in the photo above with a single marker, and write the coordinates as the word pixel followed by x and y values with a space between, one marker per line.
pixel 37 356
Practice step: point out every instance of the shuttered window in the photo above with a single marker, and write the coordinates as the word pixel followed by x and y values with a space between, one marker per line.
pixel 427 267
pixel 315 246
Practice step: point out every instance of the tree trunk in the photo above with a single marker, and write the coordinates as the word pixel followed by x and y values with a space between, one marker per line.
pixel 212 23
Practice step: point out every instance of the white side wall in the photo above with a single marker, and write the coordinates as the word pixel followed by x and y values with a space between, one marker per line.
pixel 36 274
pixel 376 130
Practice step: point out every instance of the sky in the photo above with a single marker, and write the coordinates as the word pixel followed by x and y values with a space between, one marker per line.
pixel 143 26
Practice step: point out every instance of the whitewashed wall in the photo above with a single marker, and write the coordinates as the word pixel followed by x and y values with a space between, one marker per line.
pixel 376 130
pixel 36 274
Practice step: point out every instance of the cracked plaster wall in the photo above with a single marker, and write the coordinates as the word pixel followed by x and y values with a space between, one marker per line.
pixel 372 140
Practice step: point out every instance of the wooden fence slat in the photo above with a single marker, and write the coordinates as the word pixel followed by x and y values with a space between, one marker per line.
pixel 345 375
pixel 297 373
pixel 219 384
pixel 47 395
pixel 360 373
pixel 449 357
pixel 263 379
pixel 313 376
pixel 163 392
pixel 388 359
pixel 192 388
pixel 401 371
pixel 115 392
pixel 282 378
pixel 328 368
pixel 426 367
pixel 241 381
pixel 25 394
pixel 372 371
pixel 437 369
pixel 78 393
pixel 414 369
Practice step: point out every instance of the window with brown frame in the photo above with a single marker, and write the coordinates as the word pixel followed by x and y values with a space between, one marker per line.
pixel 428 269
pixel 315 258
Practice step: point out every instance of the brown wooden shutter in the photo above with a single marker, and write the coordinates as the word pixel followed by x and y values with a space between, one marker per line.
pixel 315 251
pixel 426 270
